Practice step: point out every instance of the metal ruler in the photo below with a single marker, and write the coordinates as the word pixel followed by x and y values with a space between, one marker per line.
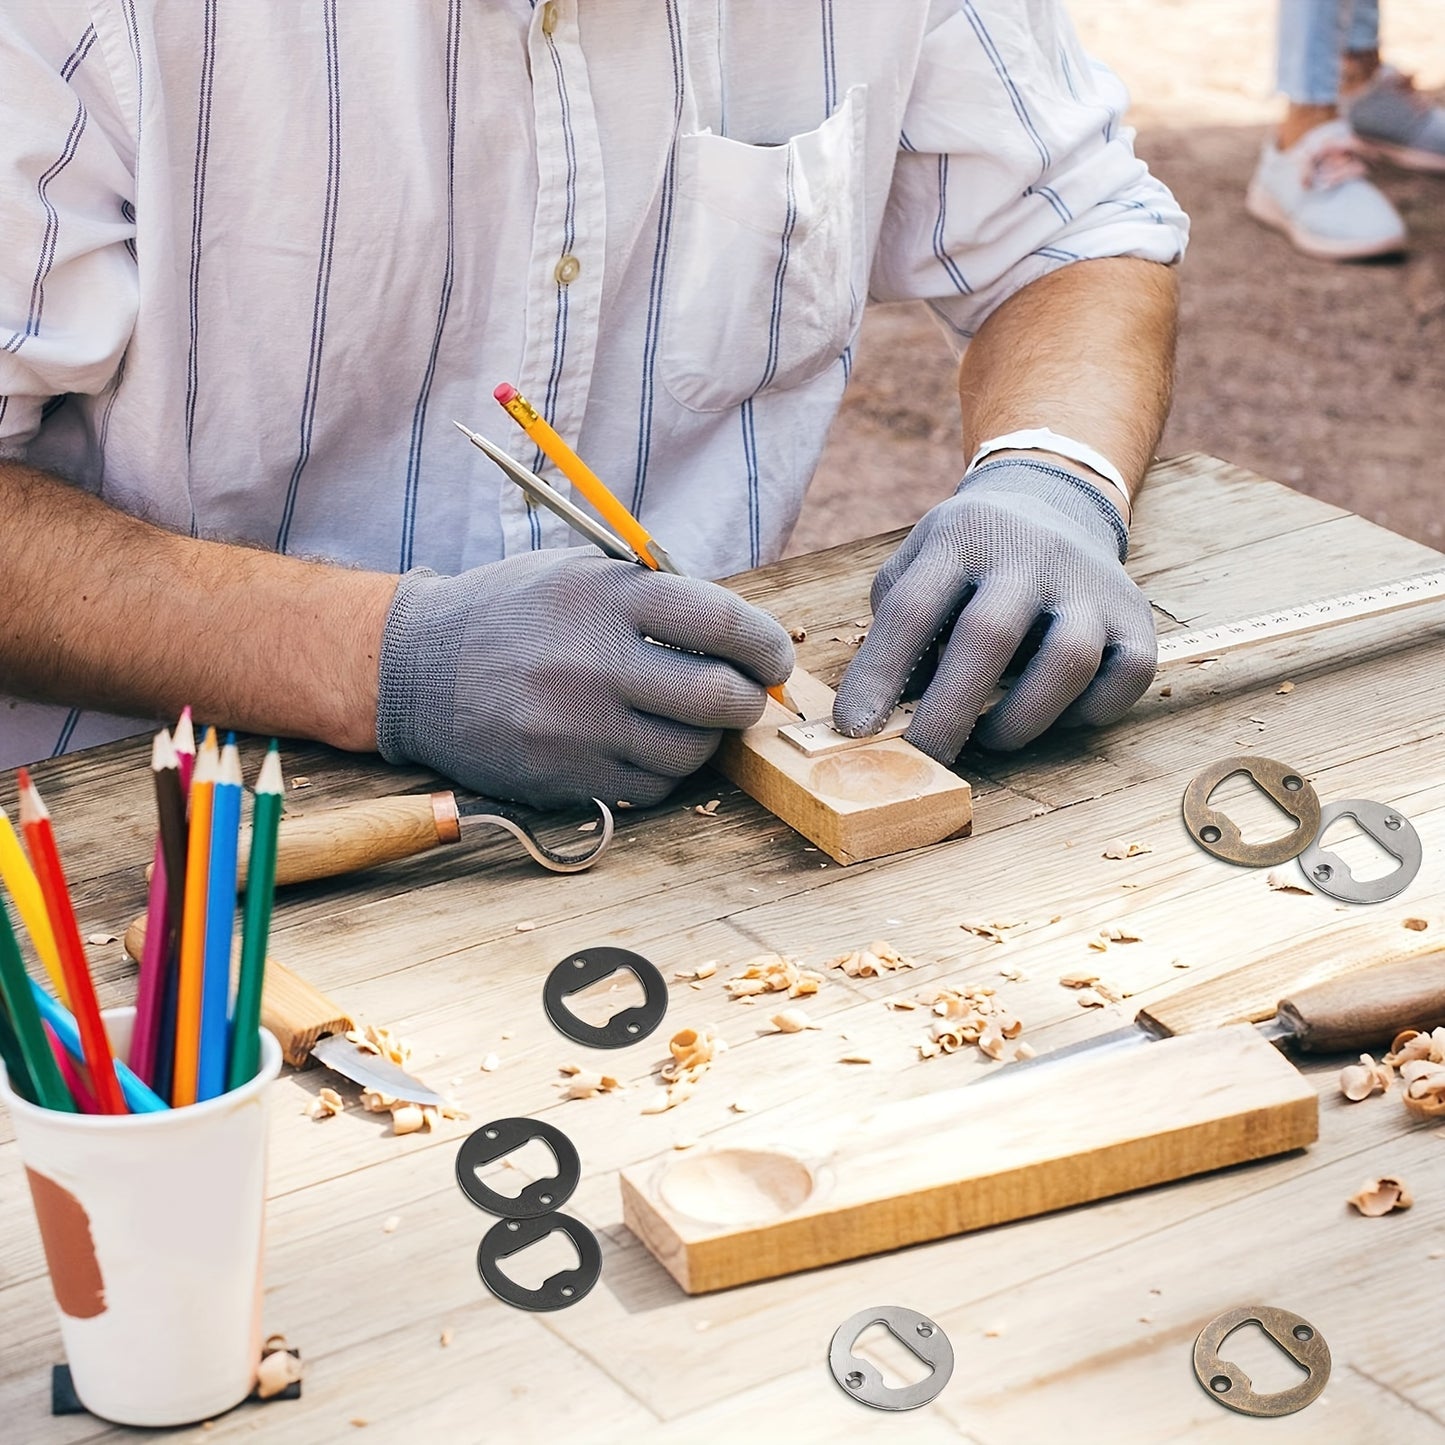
pixel 1205 642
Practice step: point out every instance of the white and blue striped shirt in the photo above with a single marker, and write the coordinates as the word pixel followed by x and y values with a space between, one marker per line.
pixel 256 255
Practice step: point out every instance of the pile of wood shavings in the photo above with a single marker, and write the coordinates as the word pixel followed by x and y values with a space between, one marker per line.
pixel 1420 1060
pixel 773 973
pixel 875 961
pixel 1114 933
pixel 1089 989
pixel 693 1052
pixel 972 1016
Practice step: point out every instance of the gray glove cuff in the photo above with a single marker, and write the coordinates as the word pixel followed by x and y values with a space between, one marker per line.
pixel 420 656
pixel 1062 490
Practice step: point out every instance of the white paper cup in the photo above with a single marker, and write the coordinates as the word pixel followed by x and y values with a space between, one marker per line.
pixel 152 1225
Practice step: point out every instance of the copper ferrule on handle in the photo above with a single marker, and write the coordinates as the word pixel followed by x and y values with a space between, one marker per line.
pixel 446 816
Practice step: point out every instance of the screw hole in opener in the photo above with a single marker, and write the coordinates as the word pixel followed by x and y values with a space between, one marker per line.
pixel 1303 1332
pixel 1220 1383
pixel 1293 784
pixel 855 1381
pixel 925 1329
pixel 1211 834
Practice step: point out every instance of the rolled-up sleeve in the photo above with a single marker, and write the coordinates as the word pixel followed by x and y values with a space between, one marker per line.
pixel 68 290
pixel 1013 162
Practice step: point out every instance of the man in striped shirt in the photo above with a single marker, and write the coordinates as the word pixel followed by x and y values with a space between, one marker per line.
pixel 257 258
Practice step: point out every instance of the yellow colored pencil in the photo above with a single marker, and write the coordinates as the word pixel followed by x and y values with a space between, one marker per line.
pixel 19 878
pixel 186 1073
pixel 650 551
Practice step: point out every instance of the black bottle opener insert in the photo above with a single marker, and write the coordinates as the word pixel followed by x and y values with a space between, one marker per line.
pixel 628 1026
pixel 502 1136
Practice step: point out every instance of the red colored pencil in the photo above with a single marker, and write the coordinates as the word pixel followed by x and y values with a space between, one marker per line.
pixel 79 1089
pixel 45 859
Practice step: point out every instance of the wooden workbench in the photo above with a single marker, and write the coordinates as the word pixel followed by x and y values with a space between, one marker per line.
pixel 1077 1325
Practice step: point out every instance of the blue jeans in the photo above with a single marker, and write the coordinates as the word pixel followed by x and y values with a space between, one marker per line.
pixel 1313 34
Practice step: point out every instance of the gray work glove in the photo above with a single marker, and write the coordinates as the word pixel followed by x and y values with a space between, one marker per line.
pixel 534 678
pixel 1018 543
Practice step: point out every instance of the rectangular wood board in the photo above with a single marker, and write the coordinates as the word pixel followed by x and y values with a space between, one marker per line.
pixel 869 801
pixel 757 1206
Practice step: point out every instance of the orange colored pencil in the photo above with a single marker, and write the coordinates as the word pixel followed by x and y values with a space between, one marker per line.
pixel 45 859
pixel 184 1079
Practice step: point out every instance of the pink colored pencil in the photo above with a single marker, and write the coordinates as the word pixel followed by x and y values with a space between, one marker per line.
pixel 80 1091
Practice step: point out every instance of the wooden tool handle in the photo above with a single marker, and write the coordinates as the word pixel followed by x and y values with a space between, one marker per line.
pixel 353 836
pixel 1362 1010
pixel 291 1008
pixel 1252 992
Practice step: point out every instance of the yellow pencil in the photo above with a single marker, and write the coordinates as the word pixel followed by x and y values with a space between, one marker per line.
pixel 650 551
pixel 19 878
pixel 186 1073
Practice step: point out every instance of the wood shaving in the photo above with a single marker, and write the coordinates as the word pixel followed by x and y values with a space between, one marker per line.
pixel 408 1119
pixel 490 1063
pixel 1012 972
pixel 1078 978
pixel 798 634
pixel 994 1331
pixel 1120 849
pixel 855 1059
pixel 585 1083
pixel 525 926
pixel 447 1336
pixel 703 970
pixel 993 931
pixel 773 973
pixel 1359 1081
pixel 326 1104
pixel 590 827
pixel 874 961
pixel 99 938
pixel 390 1223
pixel 706 970
pixel 1117 933
pixel 685 1143
pixel 1024 1051
pixel 1417 925
pixel 1381 1196
pixel 300 782
pixel 707 810
pixel 899 1005
pixel 278 1369
pixel 693 1054
pixel 1286 883
pixel 792 1021
pixel 740 1106
pixel 1166 692
pixel 1285 687
pixel 1091 998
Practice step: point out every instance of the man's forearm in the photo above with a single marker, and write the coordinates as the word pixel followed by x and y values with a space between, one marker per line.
pixel 103 610
pixel 1087 351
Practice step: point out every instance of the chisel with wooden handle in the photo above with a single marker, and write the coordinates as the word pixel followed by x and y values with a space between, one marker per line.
pixel 1352 1012
pixel 308 1025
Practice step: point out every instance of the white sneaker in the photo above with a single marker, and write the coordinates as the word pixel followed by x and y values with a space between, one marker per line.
pixel 1317 193
pixel 1390 118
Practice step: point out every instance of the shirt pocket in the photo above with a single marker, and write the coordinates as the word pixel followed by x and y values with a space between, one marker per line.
pixel 767 266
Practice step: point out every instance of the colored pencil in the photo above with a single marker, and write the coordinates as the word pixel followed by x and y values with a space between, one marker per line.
pixel 19 878
pixel 183 739
pixel 162 907
pixel 45 859
pixel 79 1090
pixel 141 1097
pixel 255 932
pixel 614 512
pixel 15 1067
pixel 220 924
pixel 47 1087
pixel 186 1076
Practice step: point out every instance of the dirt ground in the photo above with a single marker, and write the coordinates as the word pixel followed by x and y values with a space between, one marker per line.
pixel 1329 377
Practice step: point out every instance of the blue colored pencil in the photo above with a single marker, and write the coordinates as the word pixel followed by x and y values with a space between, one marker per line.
pixel 140 1098
pixel 214 1052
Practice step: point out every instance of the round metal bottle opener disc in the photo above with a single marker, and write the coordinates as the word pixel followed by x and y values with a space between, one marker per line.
pixel 566 1287
pixel 863 1381
pixel 1389 827
pixel 1228 1384
pixel 629 1026
pixel 501 1136
pixel 1217 833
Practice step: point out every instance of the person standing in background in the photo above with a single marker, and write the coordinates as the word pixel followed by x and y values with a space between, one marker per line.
pixel 1344 106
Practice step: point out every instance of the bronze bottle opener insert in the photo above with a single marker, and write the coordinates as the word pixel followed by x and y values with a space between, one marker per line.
pixel 1218 834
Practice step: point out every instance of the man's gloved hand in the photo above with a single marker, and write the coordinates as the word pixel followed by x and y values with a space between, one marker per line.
pixel 1018 542
pixel 533 678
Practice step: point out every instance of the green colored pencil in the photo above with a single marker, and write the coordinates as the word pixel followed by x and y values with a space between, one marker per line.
pixel 256 923
pixel 15 1068
pixel 45 1079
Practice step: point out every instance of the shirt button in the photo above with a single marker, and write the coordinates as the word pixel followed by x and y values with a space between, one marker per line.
pixel 549 17
pixel 567 270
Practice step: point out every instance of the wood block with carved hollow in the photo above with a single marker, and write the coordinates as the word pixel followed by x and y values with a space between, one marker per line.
pixel 758 1205
pixel 864 802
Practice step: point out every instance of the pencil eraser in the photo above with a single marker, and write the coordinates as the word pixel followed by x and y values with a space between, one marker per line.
pixel 505 392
